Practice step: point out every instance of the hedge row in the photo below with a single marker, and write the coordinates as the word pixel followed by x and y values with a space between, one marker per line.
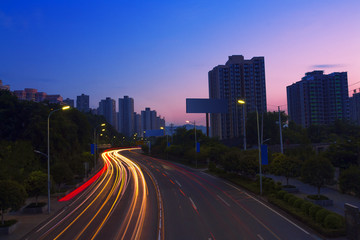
pixel 327 222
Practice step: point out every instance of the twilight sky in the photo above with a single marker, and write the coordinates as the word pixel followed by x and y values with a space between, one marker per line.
pixel 159 52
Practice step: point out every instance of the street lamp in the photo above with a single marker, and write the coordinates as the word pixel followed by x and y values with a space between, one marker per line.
pixel 258 133
pixel 242 102
pixel 195 140
pixel 48 153
pixel 102 125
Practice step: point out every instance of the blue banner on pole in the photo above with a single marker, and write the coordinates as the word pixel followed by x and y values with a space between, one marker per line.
pixel 197 147
pixel 168 144
pixel 264 155
pixel 93 146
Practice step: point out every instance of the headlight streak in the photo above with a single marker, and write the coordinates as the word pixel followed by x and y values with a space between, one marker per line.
pixel 109 178
pixel 82 203
pixel 117 171
pixel 121 170
pixel 122 176
pixel 136 174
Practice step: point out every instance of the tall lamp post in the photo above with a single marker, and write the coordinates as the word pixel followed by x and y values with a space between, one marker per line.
pixel 48 153
pixel 242 102
pixel 195 140
pixel 258 133
pixel 102 125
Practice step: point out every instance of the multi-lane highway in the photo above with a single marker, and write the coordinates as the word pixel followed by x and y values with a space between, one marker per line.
pixel 139 197
pixel 116 206
pixel 199 206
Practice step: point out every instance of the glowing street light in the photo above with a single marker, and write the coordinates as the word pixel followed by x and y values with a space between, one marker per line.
pixel 48 153
pixel 242 102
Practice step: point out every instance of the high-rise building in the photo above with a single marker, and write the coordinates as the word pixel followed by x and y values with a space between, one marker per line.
pixel 354 102
pixel 126 116
pixel 237 79
pixel 107 108
pixel 137 124
pixel 318 98
pixel 149 120
pixel 82 103
pixel 69 102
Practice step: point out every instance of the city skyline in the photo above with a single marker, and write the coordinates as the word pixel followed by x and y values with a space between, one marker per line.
pixel 160 53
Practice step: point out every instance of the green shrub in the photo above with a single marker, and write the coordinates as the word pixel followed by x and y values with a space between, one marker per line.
pixel 291 200
pixel 316 197
pixel 298 202
pixel 313 210
pixel 320 216
pixel 287 196
pixel 333 221
pixel 280 194
pixel 305 207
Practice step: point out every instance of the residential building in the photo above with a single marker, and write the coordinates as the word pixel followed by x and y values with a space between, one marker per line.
pixel 150 121
pixel 40 96
pixel 137 124
pixel 82 103
pixel 69 102
pixel 31 94
pixel 237 79
pixel 55 98
pixel 318 98
pixel 107 108
pixel 354 103
pixel 126 116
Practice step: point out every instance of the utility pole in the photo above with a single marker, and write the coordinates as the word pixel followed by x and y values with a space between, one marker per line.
pixel 280 127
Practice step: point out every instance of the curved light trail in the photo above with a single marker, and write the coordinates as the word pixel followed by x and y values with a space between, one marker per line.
pixel 101 202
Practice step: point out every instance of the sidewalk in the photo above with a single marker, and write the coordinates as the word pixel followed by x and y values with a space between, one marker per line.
pixel 306 189
pixel 27 222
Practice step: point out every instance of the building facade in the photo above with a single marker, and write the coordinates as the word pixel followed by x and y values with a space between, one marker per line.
pixel 82 103
pixel 354 103
pixel 31 94
pixel 237 79
pixel 137 124
pixel 318 98
pixel 126 116
pixel 107 108
pixel 69 102
pixel 150 121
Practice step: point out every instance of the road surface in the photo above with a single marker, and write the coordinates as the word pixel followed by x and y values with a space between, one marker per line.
pixel 139 197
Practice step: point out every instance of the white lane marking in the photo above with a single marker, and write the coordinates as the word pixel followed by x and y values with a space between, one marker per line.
pixel 260 237
pixel 192 202
pixel 178 183
pixel 270 209
pixel 51 220
pixel 208 175
pixel 223 200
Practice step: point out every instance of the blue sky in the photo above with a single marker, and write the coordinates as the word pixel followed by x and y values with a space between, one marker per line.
pixel 159 52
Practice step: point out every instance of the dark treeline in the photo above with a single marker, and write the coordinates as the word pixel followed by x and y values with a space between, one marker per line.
pixel 23 130
pixel 342 151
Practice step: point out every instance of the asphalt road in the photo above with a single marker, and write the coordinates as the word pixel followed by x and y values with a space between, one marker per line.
pixel 117 206
pixel 139 197
pixel 199 206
